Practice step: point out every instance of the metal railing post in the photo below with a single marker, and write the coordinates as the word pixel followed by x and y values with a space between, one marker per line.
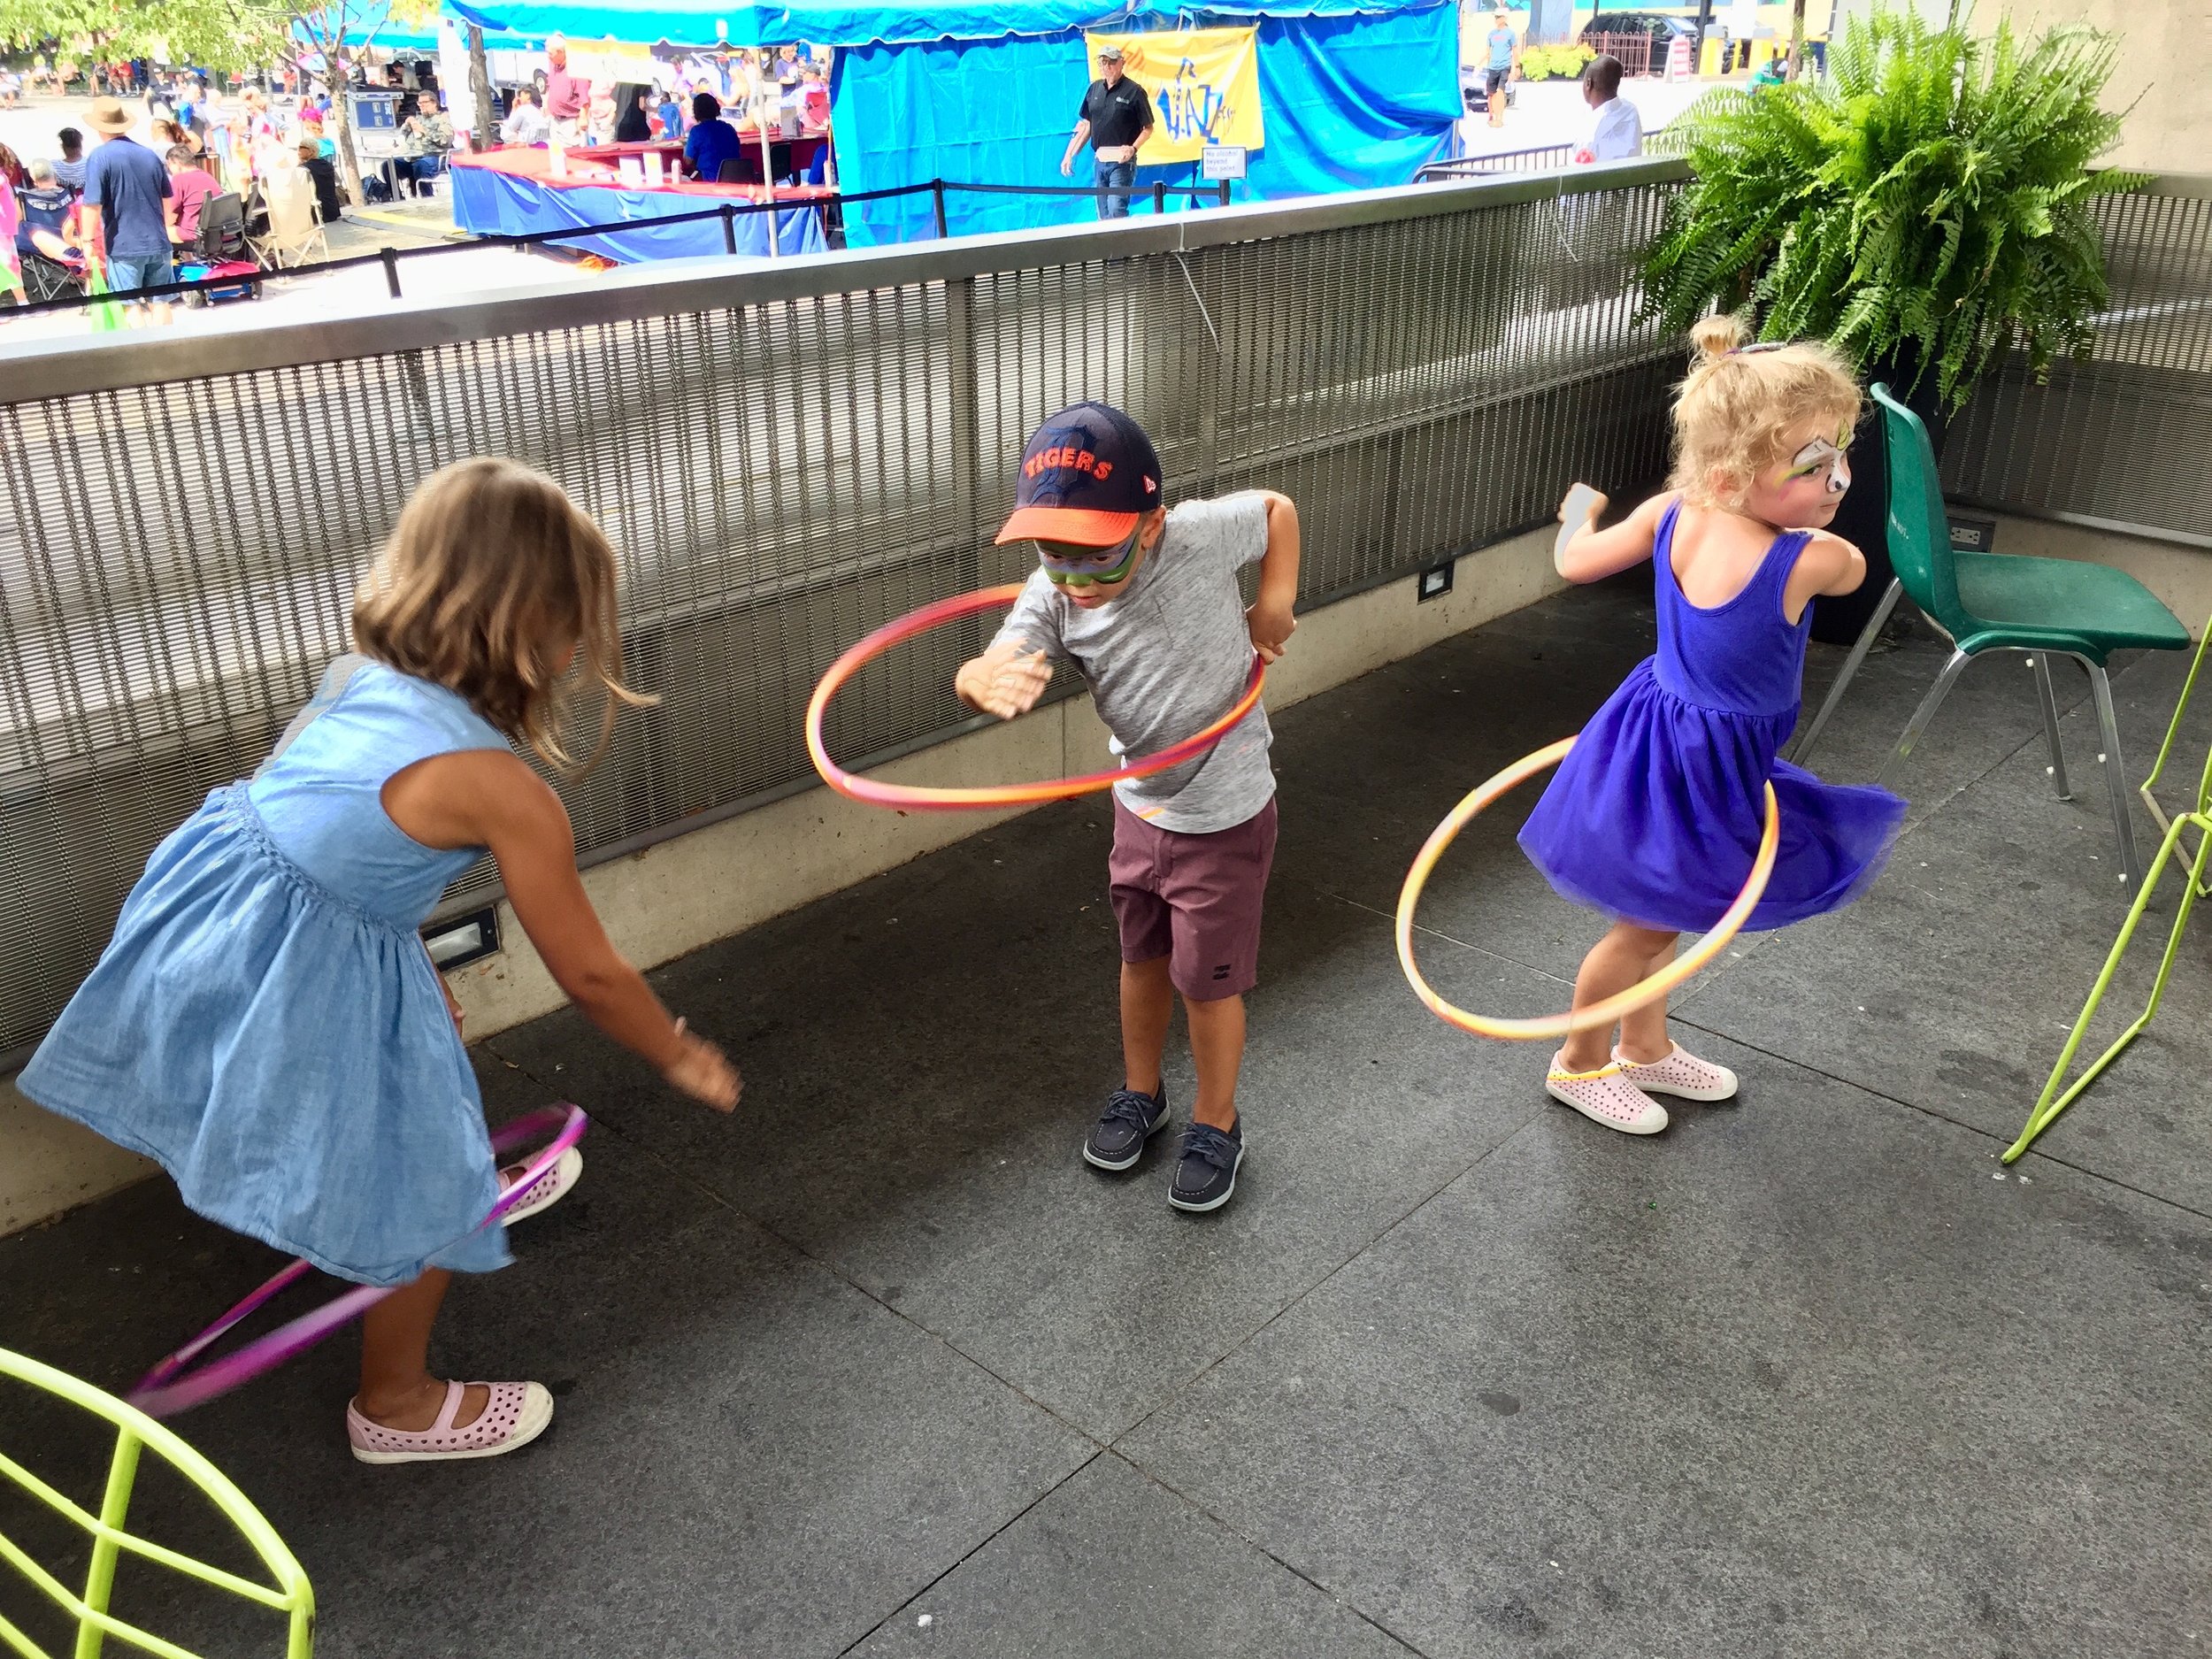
pixel 729 227
pixel 1159 197
pixel 1225 193
pixel 391 270
pixel 937 205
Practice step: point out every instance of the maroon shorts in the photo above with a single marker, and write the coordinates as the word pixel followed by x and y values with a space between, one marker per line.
pixel 1194 899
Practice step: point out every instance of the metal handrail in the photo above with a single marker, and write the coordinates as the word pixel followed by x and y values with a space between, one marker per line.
pixel 243 343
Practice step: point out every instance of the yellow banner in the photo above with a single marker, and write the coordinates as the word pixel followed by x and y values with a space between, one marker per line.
pixel 1204 85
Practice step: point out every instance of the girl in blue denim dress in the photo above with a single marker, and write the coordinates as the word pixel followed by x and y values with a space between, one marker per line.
pixel 266 1024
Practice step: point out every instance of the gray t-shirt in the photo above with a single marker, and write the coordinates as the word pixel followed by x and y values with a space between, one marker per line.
pixel 1168 658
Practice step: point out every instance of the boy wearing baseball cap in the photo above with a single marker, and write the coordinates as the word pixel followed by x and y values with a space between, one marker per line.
pixel 1144 602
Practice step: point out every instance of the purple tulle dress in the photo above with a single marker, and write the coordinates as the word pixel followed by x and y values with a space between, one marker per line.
pixel 1656 814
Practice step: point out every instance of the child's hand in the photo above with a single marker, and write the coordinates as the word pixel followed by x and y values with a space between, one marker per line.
pixel 703 1072
pixel 1006 680
pixel 1577 513
pixel 1271 627
pixel 1582 505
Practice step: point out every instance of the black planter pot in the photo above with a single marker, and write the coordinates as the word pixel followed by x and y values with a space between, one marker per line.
pixel 1863 518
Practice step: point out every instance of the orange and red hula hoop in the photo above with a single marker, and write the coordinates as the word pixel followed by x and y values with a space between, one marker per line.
pixel 919 798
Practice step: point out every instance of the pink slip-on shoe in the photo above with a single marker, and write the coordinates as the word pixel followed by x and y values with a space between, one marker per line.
pixel 516 1414
pixel 1604 1096
pixel 546 1191
pixel 1681 1074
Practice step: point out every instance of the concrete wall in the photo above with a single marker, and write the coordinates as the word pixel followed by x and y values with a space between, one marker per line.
pixel 2159 80
pixel 680 894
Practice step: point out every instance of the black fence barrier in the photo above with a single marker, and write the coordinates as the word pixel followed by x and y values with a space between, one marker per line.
pixel 727 212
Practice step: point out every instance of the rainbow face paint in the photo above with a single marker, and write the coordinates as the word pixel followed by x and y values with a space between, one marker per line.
pixel 1825 460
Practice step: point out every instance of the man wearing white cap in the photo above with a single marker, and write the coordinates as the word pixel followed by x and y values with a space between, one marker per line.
pixel 1116 118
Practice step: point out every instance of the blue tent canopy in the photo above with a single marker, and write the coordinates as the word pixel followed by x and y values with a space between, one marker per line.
pixel 856 23
pixel 374 23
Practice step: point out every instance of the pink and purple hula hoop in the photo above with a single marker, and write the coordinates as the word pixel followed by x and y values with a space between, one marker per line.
pixel 923 799
pixel 172 1386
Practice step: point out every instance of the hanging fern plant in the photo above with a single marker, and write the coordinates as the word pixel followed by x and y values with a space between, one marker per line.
pixel 1927 204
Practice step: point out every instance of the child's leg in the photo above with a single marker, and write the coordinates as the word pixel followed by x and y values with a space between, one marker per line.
pixel 397 1389
pixel 1624 955
pixel 1644 1039
pixel 1217 1046
pixel 1147 1003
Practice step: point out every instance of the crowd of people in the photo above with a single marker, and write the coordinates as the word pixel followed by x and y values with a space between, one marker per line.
pixel 120 208
pixel 693 106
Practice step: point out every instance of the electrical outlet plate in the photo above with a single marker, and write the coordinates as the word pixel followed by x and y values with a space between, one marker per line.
pixel 1973 535
pixel 460 939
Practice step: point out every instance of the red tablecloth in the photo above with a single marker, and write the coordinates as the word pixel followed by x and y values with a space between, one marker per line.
pixel 598 166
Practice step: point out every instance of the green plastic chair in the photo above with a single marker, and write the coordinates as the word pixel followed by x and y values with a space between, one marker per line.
pixel 1996 602
pixel 291 1597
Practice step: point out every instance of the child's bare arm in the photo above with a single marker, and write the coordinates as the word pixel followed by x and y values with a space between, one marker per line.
pixel 1829 565
pixel 1591 554
pixel 1272 618
pixel 488 798
pixel 1006 680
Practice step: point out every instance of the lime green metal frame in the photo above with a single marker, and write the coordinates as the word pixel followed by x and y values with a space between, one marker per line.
pixel 292 1596
pixel 2052 1100
pixel 2188 687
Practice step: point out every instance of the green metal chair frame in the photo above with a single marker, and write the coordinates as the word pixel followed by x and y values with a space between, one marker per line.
pixel 2052 1102
pixel 135 1431
pixel 1990 602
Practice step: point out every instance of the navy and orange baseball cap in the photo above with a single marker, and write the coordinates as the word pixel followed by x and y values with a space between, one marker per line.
pixel 1088 475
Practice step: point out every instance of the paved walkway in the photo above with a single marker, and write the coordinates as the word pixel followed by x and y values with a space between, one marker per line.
pixel 880 1367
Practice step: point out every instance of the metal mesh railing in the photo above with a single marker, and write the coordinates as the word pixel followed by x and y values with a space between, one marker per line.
pixel 785 460
pixel 2121 440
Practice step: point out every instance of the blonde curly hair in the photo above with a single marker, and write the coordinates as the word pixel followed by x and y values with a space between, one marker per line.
pixel 1735 409
pixel 491 579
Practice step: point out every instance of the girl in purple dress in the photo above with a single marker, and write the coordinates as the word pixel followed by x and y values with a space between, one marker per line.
pixel 1656 812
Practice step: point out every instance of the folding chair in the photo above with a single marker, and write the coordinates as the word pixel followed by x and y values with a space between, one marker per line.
pixel 1999 602
pixel 135 1431
pixel 293 232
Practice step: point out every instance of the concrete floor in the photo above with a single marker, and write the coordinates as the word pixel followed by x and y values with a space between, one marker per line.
pixel 879 1367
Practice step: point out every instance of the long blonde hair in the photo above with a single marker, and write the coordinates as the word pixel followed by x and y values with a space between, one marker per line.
pixel 492 577
pixel 1733 412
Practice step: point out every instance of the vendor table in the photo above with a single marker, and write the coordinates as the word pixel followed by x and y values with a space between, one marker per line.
pixel 512 191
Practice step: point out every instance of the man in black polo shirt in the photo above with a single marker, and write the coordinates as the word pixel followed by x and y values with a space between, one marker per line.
pixel 1116 119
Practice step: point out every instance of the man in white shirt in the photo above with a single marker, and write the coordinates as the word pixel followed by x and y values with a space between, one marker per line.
pixel 1619 132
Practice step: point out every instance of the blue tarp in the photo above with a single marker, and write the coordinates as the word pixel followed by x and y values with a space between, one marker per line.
pixel 488 203
pixel 375 24
pixel 1350 102
pixel 855 23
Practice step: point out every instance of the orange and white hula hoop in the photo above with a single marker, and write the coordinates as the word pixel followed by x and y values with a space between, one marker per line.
pixel 1612 1007
pixel 919 798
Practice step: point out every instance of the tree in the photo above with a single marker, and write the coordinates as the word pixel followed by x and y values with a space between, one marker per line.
pixel 344 32
pixel 218 33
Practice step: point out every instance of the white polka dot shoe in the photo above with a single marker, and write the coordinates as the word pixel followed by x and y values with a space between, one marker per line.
pixel 517 1413
pixel 1604 1096
pixel 546 1191
pixel 1681 1074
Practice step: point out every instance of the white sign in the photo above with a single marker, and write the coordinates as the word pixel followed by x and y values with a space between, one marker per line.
pixel 1222 161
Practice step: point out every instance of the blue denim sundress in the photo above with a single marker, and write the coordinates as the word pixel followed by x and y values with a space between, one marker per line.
pixel 1656 812
pixel 266 1023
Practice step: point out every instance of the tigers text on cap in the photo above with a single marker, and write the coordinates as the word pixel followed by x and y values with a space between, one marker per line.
pixel 1088 475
